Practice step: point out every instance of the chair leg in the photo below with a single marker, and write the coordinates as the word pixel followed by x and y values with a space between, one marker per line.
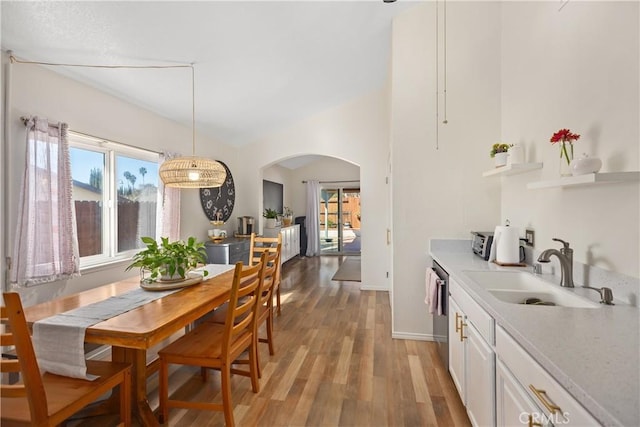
pixel 225 374
pixel 254 367
pixel 204 373
pixel 270 332
pixel 278 299
pixel 163 391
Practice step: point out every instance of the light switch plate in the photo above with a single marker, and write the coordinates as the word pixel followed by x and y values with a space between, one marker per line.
pixel 530 237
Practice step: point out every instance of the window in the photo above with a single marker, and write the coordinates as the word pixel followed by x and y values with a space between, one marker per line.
pixel 115 191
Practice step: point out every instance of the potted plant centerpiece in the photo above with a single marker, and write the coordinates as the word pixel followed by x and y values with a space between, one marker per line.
pixel 168 261
pixel 499 153
pixel 271 215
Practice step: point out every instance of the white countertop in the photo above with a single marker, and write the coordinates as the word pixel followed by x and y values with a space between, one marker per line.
pixel 594 353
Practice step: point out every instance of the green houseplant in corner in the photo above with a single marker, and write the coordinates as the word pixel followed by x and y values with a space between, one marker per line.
pixel 168 261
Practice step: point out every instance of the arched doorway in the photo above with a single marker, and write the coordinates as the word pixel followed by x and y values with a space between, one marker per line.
pixel 339 210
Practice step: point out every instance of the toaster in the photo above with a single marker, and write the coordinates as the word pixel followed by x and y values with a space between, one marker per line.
pixel 481 242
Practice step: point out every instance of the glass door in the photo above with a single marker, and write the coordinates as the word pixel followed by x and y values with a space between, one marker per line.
pixel 340 221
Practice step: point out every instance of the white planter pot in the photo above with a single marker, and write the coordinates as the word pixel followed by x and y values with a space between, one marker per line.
pixel 501 159
pixel 270 223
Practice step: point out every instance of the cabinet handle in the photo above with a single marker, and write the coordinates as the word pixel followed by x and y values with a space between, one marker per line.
pixel 542 397
pixel 531 423
pixel 458 317
pixel 462 336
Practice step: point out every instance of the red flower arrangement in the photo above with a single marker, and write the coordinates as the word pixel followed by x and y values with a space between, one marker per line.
pixel 564 136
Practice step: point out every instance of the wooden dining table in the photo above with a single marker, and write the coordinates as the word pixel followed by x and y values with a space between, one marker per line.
pixel 132 333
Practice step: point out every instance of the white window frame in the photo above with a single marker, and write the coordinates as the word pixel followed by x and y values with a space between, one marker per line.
pixel 109 212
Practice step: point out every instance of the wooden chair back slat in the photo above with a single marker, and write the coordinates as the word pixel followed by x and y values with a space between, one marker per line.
pixel 260 245
pixel 270 270
pixel 6 339
pixel 10 365
pixel 242 302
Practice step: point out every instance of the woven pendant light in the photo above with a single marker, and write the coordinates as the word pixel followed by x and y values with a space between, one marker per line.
pixel 192 171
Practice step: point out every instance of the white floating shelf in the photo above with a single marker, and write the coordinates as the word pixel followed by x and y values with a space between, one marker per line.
pixel 512 169
pixel 587 179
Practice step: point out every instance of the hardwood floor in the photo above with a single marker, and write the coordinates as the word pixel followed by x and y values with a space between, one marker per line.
pixel 335 365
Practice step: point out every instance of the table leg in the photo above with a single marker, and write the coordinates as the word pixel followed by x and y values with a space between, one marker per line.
pixel 140 405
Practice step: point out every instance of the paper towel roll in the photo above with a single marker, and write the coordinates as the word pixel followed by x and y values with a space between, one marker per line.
pixel 507 243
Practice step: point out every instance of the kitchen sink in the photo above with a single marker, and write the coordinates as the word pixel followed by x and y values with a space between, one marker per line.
pixel 519 287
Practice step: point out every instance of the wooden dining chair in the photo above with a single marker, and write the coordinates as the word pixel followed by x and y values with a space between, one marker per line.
pixel 271 261
pixel 215 346
pixel 48 400
pixel 266 244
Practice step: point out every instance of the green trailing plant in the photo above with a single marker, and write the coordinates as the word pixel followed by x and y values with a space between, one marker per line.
pixel 270 213
pixel 168 259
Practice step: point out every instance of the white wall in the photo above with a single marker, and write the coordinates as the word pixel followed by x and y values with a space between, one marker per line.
pixel 37 91
pixel 440 193
pixel 356 132
pixel 578 69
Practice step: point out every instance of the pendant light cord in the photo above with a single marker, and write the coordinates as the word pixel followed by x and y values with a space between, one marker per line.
pixel 445 121
pixel 193 110
pixel 437 83
pixel 15 60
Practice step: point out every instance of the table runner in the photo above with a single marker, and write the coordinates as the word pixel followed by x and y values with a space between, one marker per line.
pixel 58 340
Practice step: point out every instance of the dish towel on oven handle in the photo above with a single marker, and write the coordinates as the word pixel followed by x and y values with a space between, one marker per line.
pixel 432 290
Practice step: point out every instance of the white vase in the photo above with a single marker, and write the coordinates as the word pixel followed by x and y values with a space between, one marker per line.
pixel 270 223
pixel 501 159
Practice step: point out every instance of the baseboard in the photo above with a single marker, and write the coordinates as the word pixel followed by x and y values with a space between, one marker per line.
pixel 374 288
pixel 413 336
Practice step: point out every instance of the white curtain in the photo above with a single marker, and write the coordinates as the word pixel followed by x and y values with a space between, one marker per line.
pixel 313 218
pixel 46 244
pixel 168 218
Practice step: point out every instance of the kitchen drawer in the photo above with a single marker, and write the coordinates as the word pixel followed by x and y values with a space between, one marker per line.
pixel 549 392
pixel 475 314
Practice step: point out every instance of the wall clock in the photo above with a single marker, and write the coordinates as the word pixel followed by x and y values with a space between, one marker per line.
pixel 217 202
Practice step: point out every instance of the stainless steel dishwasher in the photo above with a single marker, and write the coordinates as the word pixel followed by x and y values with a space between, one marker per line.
pixel 441 323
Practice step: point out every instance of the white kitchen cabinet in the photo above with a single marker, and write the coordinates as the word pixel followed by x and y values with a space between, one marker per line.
pixel 553 404
pixel 471 356
pixel 290 242
pixel 456 348
pixel 479 382
pixel 514 407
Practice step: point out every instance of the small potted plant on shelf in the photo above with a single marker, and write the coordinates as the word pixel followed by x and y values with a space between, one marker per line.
pixel 168 261
pixel 271 215
pixel 287 217
pixel 499 152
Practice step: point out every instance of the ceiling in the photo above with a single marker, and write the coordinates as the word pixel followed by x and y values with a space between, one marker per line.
pixel 259 66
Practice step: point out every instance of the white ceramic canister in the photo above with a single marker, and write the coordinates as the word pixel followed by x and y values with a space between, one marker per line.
pixel 585 164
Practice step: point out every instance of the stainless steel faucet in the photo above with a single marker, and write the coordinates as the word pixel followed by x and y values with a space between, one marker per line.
pixel 565 256
pixel 606 295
